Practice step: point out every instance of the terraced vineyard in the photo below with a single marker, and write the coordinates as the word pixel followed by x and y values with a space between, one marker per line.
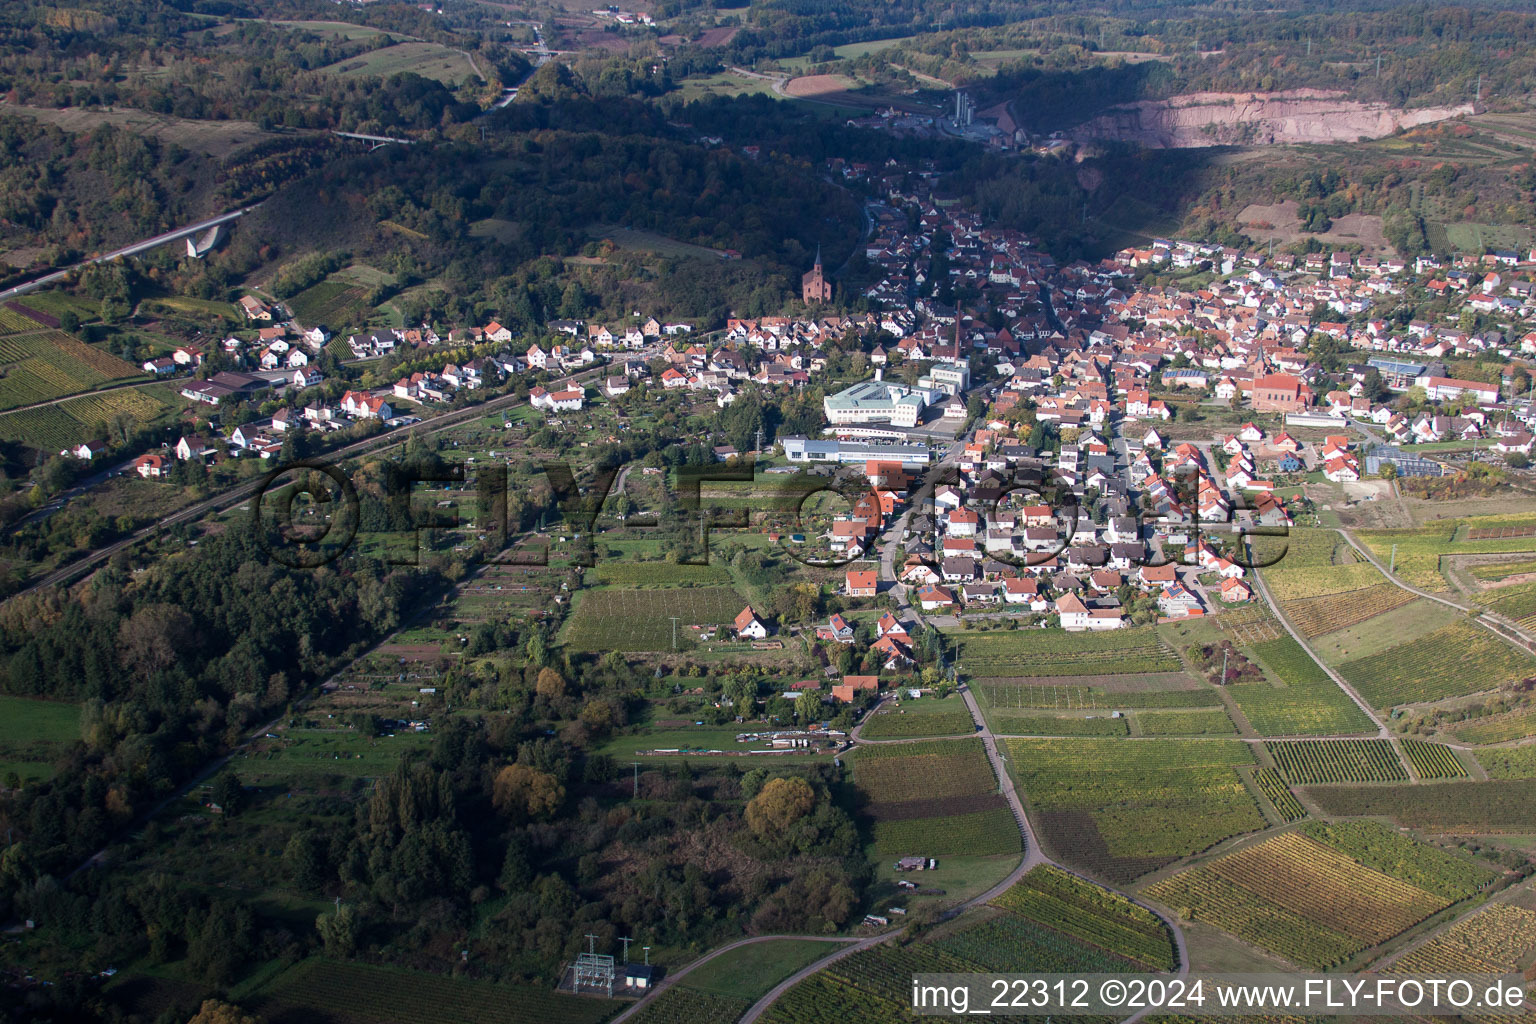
pixel 1512 725
pixel 936 770
pixel 12 322
pixel 1517 602
pixel 1010 693
pixel 1053 653
pixel 1419 551
pixel 1433 760
pixel 1458 659
pixel 1048 922
pixel 1010 942
pixel 1209 722
pixel 938 798
pixel 1309 704
pixel 53 365
pixel 679 1005
pixel 1316 616
pixel 1317 563
pixel 1059 900
pixel 1302 897
pixel 1314 709
pixel 978 834
pixel 73 421
pixel 1275 790
pixel 1454 808
pixel 1308 762
pixel 1503 570
pixel 1447 875
pixel 1495 940
pixel 1122 808
pixel 1049 725
pixel 1298 898
pixel 894 725
pixel 1290 662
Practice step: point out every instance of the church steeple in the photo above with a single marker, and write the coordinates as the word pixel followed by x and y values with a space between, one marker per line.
pixel 814 286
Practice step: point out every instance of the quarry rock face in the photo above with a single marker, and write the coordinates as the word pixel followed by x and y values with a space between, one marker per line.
pixel 1254 118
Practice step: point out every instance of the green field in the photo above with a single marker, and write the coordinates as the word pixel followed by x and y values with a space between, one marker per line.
pixel 974 834
pixel 306 754
pixel 923 717
pixel 933 798
pixel 1382 632
pixel 1509 762
pixel 1058 725
pixel 1208 722
pixel 429 60
pixel 748 972
pixel 34 734
pixel 632 620
pixel 662 574
pixel 1030 692
pixel 1122 808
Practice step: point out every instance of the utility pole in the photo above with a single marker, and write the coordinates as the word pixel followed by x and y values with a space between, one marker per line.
pixel 1309 46
pixel 636 765
pixel 591 943
pixel 1392 567
pixel 1378 65
pixel 674 632
pixel 626 940
pixel 1224 652
pixel 1479 87
pixel 647 955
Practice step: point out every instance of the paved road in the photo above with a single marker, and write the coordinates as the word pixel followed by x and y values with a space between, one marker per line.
pixel 127 250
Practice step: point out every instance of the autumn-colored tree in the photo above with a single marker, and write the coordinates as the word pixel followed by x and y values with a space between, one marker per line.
pixel 523 792
pixel 214 1011
pixel 599 716
pixel 549 684
pixel 780 804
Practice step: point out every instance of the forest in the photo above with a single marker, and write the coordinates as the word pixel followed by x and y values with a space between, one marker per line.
pixel 154 58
